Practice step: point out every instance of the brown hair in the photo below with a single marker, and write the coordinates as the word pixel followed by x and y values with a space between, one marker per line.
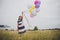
pixel 20 18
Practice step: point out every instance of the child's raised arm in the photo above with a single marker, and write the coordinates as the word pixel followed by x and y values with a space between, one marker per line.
pixel 22 14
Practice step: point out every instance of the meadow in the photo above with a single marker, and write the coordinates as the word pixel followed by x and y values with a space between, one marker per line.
pixel 30 35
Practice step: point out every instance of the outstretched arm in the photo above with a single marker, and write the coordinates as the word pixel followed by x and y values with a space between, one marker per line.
pixel 22 14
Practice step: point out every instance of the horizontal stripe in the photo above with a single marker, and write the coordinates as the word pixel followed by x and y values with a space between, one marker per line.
pixel 19 22
pixel 21 30
pixel 22 27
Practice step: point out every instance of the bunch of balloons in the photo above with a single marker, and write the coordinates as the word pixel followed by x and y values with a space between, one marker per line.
pixel 37 3
pixel 34 9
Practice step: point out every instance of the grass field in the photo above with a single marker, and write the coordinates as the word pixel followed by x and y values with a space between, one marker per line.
pixel 30 35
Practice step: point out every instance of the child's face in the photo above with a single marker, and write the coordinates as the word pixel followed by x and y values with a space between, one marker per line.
pixel 20 17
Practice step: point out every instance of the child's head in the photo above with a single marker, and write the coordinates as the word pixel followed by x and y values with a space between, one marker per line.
pixel 20 18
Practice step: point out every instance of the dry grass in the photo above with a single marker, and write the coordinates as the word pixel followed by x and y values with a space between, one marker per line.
pixel 30 35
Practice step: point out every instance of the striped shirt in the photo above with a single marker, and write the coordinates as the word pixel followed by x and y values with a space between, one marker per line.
pixel 21 27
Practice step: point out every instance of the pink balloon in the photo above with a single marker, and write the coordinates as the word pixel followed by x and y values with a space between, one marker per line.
pixel 37 2
pixel 31 15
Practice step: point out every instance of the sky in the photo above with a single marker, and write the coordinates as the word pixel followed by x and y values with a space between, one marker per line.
pixel 48 17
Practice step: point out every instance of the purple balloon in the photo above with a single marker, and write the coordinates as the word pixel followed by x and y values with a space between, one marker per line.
pixel 37 6
pixel 37 9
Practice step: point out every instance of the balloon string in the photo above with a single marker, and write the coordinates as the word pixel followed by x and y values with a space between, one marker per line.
pixel 27 21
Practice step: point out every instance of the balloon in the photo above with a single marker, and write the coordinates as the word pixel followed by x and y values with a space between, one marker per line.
pixel 31 9
pixel 37 2
pixel 37 6
pixel 31 15
pixel 34 9
pixel 34 13
pixel 37 9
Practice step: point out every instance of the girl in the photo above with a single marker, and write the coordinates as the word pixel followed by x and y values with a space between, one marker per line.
pixel 21 27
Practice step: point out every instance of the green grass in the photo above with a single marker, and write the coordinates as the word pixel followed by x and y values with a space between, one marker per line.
pixel 30 35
